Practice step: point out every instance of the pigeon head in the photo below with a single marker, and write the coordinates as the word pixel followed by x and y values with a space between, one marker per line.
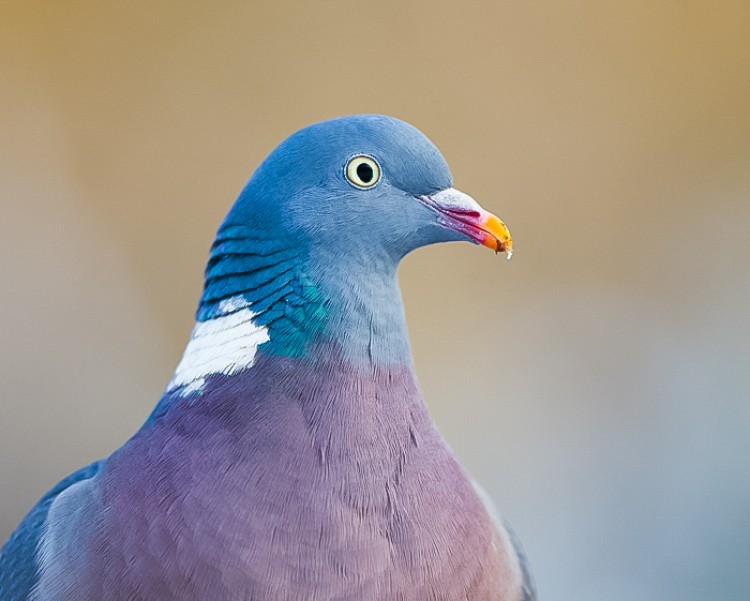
pixel 307 257
pixel 365 188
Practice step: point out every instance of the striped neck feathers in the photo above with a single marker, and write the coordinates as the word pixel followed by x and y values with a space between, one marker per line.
pixel 261 296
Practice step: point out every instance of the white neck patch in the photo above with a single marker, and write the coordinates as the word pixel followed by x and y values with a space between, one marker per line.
pixel 223 345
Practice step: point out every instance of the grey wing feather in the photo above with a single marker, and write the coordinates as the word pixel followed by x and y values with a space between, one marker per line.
pixel 528 587
pixel 528 590
pixel 18 557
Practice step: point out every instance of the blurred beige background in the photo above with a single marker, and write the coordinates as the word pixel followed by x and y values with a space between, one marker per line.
pixel 597 384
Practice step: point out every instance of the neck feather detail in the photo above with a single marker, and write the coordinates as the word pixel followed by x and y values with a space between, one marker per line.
pixel 226 344
pixel 262 293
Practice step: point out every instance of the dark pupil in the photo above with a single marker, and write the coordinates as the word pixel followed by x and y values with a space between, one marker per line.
pixel 365 172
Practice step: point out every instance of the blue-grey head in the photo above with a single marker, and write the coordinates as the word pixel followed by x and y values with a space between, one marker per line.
pixel 309 251
pixel 363 187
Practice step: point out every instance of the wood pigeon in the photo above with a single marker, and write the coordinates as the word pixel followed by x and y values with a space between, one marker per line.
pixel 291 456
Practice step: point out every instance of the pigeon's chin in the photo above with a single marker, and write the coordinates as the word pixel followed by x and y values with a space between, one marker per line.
pixel 460 212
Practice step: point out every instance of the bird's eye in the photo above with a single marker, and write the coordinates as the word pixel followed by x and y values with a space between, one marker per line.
pixel 362 171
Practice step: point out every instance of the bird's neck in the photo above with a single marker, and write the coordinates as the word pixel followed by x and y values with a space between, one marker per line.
pixel 366 318
pixel 278 303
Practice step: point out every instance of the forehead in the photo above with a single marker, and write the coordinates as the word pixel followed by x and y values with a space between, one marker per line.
pixel 409 159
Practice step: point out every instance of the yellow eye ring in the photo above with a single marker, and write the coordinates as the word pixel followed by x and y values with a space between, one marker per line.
pixel 362 171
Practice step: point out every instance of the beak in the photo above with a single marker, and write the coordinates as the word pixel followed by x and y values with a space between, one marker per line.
pixel 460 212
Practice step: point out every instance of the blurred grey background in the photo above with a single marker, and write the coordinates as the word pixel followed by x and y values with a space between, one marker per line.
pixel 597 384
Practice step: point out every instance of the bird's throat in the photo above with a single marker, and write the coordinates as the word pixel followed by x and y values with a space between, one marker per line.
pixel 366 319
